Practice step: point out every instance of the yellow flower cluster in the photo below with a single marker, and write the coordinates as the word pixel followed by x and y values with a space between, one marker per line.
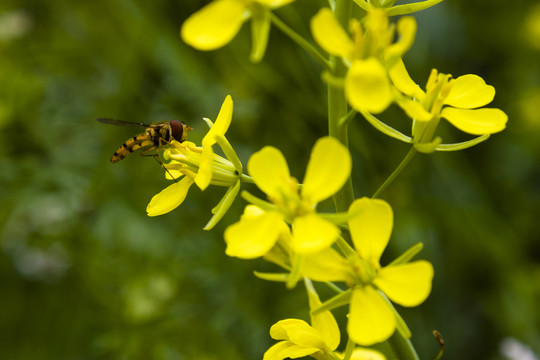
pixel 285 227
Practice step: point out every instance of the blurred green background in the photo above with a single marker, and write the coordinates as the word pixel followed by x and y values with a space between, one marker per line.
pixel 85 274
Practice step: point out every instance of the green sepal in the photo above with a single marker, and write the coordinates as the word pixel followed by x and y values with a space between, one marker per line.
pixel 229 153
pixel 411 8
pixel 387 3
pixel 223 206
pixel 227 148
pixel 336 218
pixel 346 249
pixel 363 4
pixel 347 118
pixel 260 30
pixel 296 271
pixel 408 255
pixel 339 300
pixel 386 129
pixel 252 199
pixel 462 145
pixel 332 4
pixel 276 277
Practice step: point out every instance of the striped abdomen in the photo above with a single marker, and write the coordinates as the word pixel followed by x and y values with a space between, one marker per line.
pixel 140 141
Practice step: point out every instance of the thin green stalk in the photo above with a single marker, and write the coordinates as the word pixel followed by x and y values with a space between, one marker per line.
pixel 395 173
pixel 402 347
pixel 303 43
pixel 338 108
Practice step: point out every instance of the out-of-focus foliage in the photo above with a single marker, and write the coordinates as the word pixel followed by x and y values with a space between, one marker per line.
pixel 84 273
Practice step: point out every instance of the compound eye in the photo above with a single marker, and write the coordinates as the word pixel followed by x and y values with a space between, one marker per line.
pixel 178 130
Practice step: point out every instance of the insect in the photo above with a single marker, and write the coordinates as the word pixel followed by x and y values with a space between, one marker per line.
pixel 155 136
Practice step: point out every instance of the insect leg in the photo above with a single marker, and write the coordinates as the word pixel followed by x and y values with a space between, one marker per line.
pixel 155 155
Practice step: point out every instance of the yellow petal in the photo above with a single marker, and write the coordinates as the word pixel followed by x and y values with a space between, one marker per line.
pixel 367 86
pixel 469 92
pixel 297 331
pixel 253 235
pixel 407 284
pixel 220 127
pixel 329 34
pixel 204 175
pixel 270 171
pixel 215 25
pixel 371 320
pixel 324 322
pixel 371 227
pixel 403 82
pixel 406 28
pixel 367 354
pixel 415 110
pixel 328 168
pixel 476 121
pixel 280 330
pixel 273 4
pixel 326 265
pixel 274 352
pixel 169 198
pixel 222 123
pixel 311 234
pixel 287 349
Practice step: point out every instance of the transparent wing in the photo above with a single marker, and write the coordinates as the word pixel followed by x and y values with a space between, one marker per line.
pixel 121 122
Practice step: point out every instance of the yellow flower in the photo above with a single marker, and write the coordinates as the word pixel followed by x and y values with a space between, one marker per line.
pixel 328 169
pixel 459 101
pixel 216 24
pixel 186 162
pixel 201 166
pixel 299 339
pixel 318 340
pixel 369 54
pixel 371 318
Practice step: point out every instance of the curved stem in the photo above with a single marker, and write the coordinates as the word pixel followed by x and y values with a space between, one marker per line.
pixel 395 173
pixel 303 43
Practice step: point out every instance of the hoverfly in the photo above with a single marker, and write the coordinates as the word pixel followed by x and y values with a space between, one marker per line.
pixel 155 136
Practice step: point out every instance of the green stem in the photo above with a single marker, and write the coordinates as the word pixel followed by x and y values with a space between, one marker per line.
pixel 338 108
pixel 247 179
pixel 303 43
pixel 349 349
pixel 402 347
pixel 396 172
